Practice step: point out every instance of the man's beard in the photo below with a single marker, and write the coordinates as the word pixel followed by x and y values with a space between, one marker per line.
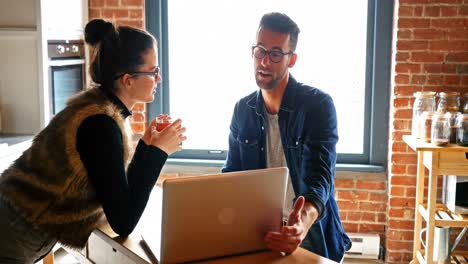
pixel 267 86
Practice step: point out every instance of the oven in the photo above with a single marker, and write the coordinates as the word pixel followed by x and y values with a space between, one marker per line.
pixel 66 71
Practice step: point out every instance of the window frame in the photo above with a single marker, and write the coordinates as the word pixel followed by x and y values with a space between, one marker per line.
pixel 377 85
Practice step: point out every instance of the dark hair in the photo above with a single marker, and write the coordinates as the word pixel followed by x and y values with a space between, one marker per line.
pixel 116 50
pixel 281 23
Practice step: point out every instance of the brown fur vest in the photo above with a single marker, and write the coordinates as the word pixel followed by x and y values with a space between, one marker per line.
pixel 49 186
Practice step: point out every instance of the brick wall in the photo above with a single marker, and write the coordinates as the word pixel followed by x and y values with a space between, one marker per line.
pixel 430 54
pixel 362 200
pixel 129 13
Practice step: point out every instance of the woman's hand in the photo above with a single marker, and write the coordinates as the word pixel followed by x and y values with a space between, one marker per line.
pixel 148 132
pixel 169 139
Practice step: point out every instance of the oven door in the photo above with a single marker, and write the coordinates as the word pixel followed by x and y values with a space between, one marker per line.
pixel 67 78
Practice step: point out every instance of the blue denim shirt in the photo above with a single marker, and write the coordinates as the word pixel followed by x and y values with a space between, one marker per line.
pixel 308 128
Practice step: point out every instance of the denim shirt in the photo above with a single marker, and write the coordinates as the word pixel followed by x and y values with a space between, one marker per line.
pixel 308 128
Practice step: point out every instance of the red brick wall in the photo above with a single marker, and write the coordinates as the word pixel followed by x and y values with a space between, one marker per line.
pixel 430 54
pixel 362 200
pixel 129 13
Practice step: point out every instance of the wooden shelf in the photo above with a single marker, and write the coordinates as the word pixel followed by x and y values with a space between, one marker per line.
pixel 448 160
pixel 458 257
pixel 440 161
pixel 444 217
pixel 420 145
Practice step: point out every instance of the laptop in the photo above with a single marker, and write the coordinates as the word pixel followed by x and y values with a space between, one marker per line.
pixel 216 215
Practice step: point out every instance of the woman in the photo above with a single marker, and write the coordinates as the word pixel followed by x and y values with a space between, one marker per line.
pixel 78 170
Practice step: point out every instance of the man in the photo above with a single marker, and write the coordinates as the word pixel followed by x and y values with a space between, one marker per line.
pixel 287 123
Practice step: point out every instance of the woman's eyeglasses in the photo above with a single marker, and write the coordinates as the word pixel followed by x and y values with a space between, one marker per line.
pixel 154 73
pixel 275 55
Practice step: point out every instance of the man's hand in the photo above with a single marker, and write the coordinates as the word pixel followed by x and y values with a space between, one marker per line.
pixel 290 237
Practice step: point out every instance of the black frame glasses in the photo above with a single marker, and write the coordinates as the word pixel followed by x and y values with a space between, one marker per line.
pixel 154 73
pixel 275 56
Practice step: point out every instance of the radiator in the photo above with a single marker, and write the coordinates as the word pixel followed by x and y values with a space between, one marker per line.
pixel 365 246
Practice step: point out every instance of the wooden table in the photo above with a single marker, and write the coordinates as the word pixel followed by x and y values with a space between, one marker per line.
pixel 113 249
pixel 137 252
pixel 105 246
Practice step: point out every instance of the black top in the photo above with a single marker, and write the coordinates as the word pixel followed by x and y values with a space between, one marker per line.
pixel 123 194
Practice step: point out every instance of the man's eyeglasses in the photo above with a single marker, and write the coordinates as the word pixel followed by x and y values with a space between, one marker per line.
pixel 275 55
pixel 154 73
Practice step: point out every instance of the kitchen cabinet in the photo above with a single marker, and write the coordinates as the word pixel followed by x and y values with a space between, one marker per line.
pixel 25 28
pixel 18 13
pixel 19 80
pixel 440 162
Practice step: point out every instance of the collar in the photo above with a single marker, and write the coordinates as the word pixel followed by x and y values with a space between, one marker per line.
pixel 287 103
pixel 116 101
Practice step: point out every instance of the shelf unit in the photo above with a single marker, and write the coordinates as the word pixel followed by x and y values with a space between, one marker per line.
pixel 440 161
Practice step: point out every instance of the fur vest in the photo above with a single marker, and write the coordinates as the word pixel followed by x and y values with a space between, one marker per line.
pixel 49 186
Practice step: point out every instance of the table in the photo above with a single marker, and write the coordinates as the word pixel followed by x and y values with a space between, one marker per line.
pixel 105 246
pixel 440 161
pixel 109 248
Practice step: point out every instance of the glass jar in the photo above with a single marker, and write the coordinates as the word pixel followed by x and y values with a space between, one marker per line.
pixel 448 102
pixel 453 127
pixel 424 101
pixel 465 103
pixel 425 121
pixel 440 129
pixel 462 129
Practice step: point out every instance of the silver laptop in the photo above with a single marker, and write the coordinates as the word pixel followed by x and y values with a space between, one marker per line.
pixel 217 215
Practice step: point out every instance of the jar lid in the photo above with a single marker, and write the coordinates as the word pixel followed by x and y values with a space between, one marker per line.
pixel 424 94
pixel 442 116
pixel 449 94
pixel 461 116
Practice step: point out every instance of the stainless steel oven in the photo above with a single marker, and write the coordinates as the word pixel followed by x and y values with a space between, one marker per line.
pixel 66 71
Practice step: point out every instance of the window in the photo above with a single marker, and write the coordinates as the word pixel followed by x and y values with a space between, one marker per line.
pixel 205 56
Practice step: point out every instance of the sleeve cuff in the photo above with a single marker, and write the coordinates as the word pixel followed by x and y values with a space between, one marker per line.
pixel 155 154
pixel 317 203
pixel 150 153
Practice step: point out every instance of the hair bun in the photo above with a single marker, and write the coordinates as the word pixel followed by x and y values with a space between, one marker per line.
pixel 96 30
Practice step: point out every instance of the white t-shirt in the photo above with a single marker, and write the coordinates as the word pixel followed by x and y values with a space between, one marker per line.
pixel 275 157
